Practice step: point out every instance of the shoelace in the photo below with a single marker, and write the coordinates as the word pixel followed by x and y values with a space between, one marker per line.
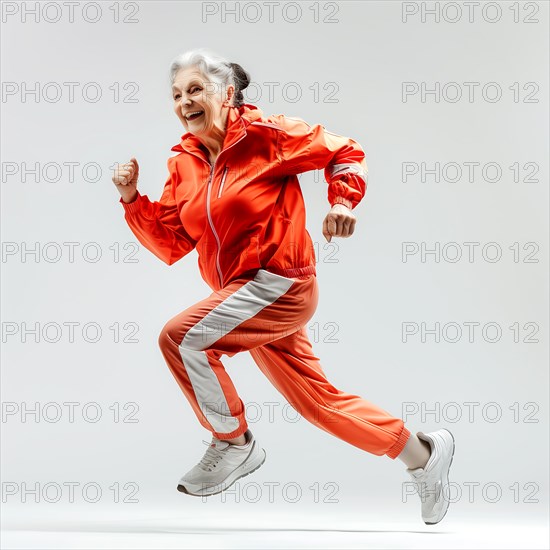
pixel 210 459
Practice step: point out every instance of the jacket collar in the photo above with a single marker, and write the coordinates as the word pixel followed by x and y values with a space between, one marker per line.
pixel 238 119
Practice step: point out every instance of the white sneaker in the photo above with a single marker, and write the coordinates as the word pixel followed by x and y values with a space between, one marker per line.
pixel 432 481
pixel 221 465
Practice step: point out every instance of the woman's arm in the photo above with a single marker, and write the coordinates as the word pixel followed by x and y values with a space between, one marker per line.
pixel 157 225
pixel 303 147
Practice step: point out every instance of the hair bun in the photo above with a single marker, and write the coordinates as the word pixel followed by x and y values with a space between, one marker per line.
pixel 241 76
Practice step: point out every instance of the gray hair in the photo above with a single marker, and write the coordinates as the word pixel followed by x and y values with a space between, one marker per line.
pixel 217 69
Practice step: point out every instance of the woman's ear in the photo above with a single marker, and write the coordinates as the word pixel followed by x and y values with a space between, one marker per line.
pixel 229 96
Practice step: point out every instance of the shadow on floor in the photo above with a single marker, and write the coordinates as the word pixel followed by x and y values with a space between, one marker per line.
pixel 133 528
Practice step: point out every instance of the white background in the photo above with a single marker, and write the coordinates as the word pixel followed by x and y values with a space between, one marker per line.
pixel 366 289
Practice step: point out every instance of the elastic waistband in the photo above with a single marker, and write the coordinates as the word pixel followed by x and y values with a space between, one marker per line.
pixel 296 272
pixel 293 272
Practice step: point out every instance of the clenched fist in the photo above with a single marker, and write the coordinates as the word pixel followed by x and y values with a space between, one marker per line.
pixel 125 178
pixel 339 222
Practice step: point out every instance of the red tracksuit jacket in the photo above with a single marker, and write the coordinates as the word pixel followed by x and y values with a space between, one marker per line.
pixel 247 211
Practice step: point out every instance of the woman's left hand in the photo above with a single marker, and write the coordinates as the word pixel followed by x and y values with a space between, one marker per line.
pixel 339 222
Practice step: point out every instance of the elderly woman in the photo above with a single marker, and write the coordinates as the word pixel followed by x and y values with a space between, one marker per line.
pixel 233 194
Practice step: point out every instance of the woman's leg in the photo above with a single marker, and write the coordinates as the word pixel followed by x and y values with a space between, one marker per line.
pixel 244 314
pixel 267 316
pixel 416 453
pixel 291 366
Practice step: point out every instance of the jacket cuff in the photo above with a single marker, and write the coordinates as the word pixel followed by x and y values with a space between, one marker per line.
pixel 133 206
pixel 342 200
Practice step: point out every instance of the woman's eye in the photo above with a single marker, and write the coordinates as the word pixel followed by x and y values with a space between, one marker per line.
pixel 193 90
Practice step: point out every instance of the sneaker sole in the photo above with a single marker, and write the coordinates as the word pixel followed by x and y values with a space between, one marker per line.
pixel 229 481
pixel 447 476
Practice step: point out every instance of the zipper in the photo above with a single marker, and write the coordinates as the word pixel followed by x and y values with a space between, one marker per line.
pixel 222 182
pixel 208 214
pixel 212 170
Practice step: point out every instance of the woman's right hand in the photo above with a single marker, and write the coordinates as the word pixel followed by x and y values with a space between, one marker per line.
pixel 125 179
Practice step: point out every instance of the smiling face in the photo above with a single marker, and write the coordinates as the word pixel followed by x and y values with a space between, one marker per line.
pixel 194 93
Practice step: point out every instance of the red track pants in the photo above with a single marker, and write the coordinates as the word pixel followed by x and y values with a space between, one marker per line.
pixel 266 316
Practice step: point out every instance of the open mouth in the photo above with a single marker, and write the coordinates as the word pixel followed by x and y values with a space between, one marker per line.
pixel 194 115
